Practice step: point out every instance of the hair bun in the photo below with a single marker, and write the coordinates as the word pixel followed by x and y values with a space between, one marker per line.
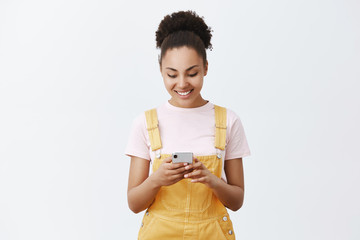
pixel 184 21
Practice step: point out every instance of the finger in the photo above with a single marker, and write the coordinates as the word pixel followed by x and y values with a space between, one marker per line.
pixel 198 165
pixel 193 174
pixel 197 161
pixel 185 171
pixel 188 171
pixel 200 180
pixel 171 171
pixel 177 177
pixel 181 170
pixel 177 166
pixel 189 167
pixel 167 160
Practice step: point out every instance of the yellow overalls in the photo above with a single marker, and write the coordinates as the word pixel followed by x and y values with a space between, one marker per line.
pixel 187 210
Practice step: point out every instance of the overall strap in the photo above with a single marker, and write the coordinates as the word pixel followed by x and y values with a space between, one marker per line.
pixel 152 124
pixel 220 130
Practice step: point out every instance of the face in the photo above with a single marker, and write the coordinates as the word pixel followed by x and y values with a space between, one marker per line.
pixel 183 72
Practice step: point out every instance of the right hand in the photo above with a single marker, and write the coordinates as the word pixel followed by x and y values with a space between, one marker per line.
pixel 169 173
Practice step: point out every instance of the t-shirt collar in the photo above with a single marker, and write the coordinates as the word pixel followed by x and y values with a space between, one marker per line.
pixel 205 107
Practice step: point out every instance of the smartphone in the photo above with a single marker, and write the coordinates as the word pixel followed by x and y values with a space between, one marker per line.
pixel 182 157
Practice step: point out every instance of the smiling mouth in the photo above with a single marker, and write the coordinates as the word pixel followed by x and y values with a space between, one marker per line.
pixel 184 93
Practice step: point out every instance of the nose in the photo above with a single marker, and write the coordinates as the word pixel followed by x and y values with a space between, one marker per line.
pixel 182 83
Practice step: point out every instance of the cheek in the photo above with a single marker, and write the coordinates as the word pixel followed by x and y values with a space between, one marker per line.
pixel 198 83
pixel 168 84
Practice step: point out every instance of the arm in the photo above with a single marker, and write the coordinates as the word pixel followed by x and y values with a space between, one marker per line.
pixel 231 194
pixel 143 188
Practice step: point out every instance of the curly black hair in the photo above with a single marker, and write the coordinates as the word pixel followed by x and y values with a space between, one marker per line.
pixel 183 28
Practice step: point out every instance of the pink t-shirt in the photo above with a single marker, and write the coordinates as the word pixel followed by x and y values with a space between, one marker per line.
pixel 188 130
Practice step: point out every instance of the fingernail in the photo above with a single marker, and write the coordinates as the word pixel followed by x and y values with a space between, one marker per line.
pixel 186 175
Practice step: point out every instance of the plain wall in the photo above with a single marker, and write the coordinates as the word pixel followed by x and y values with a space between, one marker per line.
pixel 74 74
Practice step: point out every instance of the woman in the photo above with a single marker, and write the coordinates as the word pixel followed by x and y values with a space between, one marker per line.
pixel 186 201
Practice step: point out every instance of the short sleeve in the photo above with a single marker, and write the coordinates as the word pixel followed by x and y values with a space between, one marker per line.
pixel 138 140
pixel 236 142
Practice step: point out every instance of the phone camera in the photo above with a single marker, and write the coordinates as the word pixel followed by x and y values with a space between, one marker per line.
pixel 175 156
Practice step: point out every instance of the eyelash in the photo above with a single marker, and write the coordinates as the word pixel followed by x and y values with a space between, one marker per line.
pixel 190 75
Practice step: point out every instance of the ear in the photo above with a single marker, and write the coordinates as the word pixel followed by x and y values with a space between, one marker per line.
pixel 161 69
pixel 206 68
pixel 159 61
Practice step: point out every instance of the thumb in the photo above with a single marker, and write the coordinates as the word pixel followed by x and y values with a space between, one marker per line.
pixel 167 160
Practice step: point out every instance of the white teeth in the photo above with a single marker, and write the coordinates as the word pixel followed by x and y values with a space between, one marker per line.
pixel 184 93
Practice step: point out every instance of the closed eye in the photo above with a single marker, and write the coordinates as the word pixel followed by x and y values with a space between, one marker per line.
pixel 172 76
pixel 193 75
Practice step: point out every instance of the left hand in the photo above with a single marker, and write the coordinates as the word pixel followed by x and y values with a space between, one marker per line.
pixel 200 174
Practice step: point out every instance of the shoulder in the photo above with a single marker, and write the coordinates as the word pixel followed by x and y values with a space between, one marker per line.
pixel 231 117
pixel 141 119
pixel 139 122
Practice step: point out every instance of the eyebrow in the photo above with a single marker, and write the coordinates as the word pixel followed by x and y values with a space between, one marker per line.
pixel 186 69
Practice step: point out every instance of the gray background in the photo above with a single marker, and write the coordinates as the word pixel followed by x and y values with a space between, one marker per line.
pixel 74 74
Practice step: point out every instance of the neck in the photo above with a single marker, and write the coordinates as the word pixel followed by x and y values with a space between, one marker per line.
pixel 198 103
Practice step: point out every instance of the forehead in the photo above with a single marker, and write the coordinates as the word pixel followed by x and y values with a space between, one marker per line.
pixel 181 58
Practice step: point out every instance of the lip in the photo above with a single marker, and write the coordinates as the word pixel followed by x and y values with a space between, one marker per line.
pixel 184 96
